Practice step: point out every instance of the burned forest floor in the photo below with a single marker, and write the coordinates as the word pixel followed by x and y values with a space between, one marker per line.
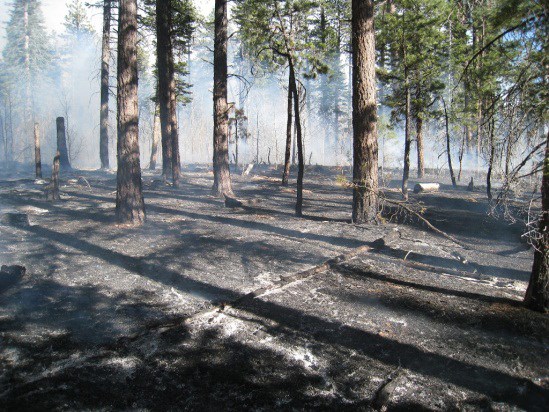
pixel 212 308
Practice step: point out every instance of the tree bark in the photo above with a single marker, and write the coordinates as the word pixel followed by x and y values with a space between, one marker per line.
pixel 62 144
pixel 37 156
pixel 105 68
pixel 407 140
pixel 537 294
pixel 365 146
pixel 166 92
pixel 299 141
pixel 130 205
pixel 155 139
pixel 222 176
pixel 420 154
pixel 287 153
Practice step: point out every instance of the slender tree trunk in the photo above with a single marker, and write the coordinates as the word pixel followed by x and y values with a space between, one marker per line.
pixel 491 160
pixel 130 205
pixel 62 144
pixel 407 139
pixel 287 153
pixel 537 294
pixel 222 175
pixel 420 155
pixel 299 141
pixel 37 156
pixel 236 147
pixel 105 68
pixel 365 146
pixel 448 147
pixel 156 138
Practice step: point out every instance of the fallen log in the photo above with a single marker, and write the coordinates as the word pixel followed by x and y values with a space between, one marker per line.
pixel 234 203
pixel 426 187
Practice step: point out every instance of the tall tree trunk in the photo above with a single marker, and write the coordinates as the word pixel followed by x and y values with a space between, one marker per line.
pixel 407 138
pixel 156 137
pixel 222 175
pixel 62 144
pixel 537 294
pixel 299 141
pixel 491 160
pixel 37 156
pixel 448 147
pixel 419 140
pixel 166 91
pixel 130 205
pixel 365 173
pixel 105 68
pixel 287 153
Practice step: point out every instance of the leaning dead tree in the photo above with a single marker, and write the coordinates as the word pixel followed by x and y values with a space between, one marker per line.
pixel 365 173
pixel 130 206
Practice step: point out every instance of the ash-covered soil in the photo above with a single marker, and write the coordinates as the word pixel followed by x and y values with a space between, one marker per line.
pixel 210 308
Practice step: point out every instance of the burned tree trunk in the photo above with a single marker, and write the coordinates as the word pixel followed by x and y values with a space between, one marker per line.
pixel 299 141
pixel 62 144
pixel 365 173
pixel 420 153
pixel 448 151
pixel 53 189
pixel 166 91
pixel 537 294
pixel 130 206
pixel 37 155
pixel 407 140
pixel 222 176
pixel 287 153
pixel 155 139
pixel 104 110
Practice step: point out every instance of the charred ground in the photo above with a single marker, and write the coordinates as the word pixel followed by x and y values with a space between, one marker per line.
pixel 165 316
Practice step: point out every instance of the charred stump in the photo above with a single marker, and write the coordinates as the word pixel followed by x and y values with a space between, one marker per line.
pixel 37 155
pixel 62 144
pixel 52 190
